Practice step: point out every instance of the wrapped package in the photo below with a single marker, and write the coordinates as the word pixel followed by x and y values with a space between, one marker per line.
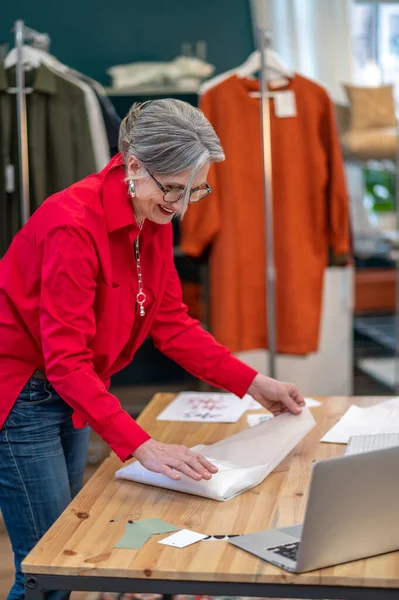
pixel 243 459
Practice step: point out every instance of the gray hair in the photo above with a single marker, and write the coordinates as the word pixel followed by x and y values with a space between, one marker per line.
pixel 169 136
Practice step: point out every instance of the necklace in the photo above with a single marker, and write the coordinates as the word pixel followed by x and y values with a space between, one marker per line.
pixel 140 296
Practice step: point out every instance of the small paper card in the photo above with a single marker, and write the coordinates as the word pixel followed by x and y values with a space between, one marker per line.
pixel 157 526
pixel 183 538
pixel 311 403
pixel 258 418
pixel 134 537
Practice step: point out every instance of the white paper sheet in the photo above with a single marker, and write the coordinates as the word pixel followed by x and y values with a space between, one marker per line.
pixel 364 421
pixel 243 459
pixel 206 408
pixel 391 402
pixel 182 538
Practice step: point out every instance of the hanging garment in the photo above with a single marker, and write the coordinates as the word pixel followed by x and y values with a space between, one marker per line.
pixel 97 128
pixel 311 215
pixel 111 118
pixel 112 121
pixel 34 57
pixel 59 139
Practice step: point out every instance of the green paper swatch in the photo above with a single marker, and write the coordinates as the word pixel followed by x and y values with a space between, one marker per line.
pixel 156 526
pixel 135 537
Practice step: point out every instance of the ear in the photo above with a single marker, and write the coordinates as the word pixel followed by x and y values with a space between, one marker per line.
pixel 133 167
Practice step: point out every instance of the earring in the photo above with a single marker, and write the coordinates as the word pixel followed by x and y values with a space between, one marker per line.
pixel 132 188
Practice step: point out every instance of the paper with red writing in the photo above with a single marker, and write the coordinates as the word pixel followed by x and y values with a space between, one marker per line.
pixel 203 407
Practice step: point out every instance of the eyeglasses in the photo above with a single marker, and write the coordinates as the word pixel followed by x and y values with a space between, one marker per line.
pixel 174 194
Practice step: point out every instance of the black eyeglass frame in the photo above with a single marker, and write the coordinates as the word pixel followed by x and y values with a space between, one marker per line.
pixel 207 190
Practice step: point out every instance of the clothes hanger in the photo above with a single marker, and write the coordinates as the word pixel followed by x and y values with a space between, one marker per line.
pixel 251 66
pixel 210 83
pixel 31 57
pixel 274 65
pixel 278 73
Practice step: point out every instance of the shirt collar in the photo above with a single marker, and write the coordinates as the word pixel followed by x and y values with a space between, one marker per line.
pixel 117 203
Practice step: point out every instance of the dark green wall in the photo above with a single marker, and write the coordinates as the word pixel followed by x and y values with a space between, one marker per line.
pixel 92 36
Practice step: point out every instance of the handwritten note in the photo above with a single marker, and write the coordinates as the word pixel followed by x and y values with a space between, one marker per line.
pixel 203 407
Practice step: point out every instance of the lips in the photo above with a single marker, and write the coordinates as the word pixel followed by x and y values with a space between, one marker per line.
pixel 166 211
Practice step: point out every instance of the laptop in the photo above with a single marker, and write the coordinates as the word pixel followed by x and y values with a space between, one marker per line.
pixel 351 513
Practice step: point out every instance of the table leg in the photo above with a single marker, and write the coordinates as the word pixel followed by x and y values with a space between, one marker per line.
pixel 32 589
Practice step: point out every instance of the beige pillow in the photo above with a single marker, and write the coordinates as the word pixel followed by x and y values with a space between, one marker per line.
pixel 371 107
pixel 366 144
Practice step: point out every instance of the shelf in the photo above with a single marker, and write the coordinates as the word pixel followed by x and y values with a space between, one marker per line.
pixel 383 370
pixel 380 328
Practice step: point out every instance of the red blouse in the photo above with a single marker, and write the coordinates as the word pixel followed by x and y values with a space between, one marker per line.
pixel 68 287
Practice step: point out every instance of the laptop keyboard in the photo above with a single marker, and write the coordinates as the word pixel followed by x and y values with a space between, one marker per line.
pixel 369 443
pixel 287 550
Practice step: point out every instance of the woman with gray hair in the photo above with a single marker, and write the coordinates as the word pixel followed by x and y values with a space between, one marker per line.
pixel 85 281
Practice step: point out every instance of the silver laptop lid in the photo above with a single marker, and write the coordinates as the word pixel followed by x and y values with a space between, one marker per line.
pixel 352 509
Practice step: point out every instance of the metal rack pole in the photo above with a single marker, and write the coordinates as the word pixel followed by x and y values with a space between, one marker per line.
pixel 396 259
pixel 264 43
pixel 19 35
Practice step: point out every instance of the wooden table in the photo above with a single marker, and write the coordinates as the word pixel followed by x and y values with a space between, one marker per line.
pixel 78 552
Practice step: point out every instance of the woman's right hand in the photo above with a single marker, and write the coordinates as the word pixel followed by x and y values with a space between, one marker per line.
pixel 172 460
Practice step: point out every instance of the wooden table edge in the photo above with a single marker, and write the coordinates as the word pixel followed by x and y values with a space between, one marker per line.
pixel 314 578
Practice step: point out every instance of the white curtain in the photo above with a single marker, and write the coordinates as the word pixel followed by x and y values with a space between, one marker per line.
pixel 313 37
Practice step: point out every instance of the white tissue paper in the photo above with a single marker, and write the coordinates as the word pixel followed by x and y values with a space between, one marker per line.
pixel 244 459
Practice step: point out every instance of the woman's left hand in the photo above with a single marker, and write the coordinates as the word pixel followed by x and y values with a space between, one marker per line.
pixel 276 396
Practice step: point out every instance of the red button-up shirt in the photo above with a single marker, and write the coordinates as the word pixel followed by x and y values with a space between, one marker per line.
pixel 68 288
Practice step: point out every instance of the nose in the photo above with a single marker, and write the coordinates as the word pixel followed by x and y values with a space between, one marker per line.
pixel 173 205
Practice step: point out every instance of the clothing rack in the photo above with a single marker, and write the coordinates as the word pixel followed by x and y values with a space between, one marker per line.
pixel 24 34
pixel 264 44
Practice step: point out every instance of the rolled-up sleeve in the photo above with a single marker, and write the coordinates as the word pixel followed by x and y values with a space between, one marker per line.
pixel 67 326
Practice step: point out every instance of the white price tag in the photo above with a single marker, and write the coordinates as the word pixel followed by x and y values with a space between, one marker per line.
pixel 285 104
pixel 10 179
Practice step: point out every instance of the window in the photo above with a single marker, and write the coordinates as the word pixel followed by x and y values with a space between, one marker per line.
pixel 376 42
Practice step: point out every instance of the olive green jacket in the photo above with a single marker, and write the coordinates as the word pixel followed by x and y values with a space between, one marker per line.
pixel 59 142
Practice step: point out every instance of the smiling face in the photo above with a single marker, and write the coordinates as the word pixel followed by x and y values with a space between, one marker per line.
pixel 148 202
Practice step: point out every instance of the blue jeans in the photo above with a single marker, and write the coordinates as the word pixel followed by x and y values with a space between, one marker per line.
pixel 42 461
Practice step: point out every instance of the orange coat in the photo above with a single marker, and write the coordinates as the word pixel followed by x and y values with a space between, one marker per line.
pixel 311 215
